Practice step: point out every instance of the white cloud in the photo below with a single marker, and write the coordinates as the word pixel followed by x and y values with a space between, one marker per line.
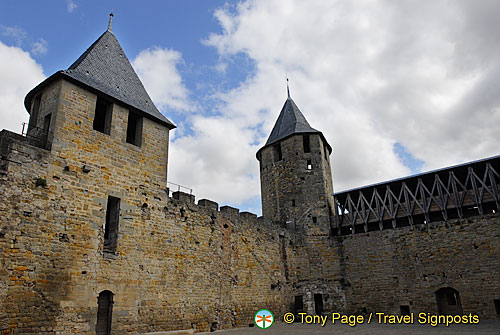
pixel 216 161
pixel 16 33
pixel 370 74
pixel 40 47
pixel 71 6
pixel 158 71
pixel 20 73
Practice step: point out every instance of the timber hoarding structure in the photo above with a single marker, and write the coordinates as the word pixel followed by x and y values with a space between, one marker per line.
pixel 92 242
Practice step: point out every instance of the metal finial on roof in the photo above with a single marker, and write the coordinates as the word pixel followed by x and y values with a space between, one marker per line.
pixel 287 88
pixel 110 21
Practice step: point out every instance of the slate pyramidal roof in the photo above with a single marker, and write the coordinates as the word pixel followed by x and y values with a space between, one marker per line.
pixel 290 122
pixel 105 68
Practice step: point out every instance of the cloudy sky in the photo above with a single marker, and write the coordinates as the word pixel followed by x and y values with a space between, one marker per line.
pixel 397 87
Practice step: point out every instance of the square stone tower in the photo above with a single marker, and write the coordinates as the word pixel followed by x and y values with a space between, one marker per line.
pixel 97 116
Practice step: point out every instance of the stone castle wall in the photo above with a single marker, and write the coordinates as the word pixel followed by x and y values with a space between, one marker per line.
pixel 177 265
pixel 384 270
pixel 181 265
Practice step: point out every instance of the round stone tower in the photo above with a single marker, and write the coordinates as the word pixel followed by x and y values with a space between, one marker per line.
pixel 295 174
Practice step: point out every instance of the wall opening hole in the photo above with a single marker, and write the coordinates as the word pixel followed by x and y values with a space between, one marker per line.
pixel 102 117
pixel 404 309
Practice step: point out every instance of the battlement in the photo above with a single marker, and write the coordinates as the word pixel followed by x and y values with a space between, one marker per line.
pixel 212 207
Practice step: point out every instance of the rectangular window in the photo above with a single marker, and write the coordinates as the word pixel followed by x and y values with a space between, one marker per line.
pixel 111 227
pixel 102 117
pixel 309 164
pixel 293 202
pixel 46 123
pixel 326 152
pixel 278 155
pixel 34 112
pixel 134 129
pixel 306 143
pixel 314 219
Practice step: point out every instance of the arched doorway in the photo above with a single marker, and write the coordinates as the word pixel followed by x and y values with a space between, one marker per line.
pixel 448 301
pixel 104 313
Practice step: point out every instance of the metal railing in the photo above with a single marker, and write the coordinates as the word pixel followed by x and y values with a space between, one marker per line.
pixel 36 136
pixel 180 187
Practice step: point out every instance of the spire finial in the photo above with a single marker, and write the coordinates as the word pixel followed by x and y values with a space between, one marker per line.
pixel 287 88
pixel 110 21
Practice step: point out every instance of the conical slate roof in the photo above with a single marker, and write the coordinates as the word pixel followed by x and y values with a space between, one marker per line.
pixel 104 67
pixel 291 121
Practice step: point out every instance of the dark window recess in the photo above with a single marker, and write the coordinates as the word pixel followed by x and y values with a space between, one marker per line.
pixel 34 112
pixel 497 306
pixel 278 155
pixel 111 227
pixel 293 202
pixel 309 164
pixel 326 152
pixel 46 123
pixel 134 129
pixel 104 313
pixel 306 143
pixel 315 219
pixel 102 117
pixel 405 309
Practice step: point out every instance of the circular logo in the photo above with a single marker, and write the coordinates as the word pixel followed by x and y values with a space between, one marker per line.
pixel 264 318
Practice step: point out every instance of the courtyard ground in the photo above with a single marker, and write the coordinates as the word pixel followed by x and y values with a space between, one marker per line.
pixel 484 327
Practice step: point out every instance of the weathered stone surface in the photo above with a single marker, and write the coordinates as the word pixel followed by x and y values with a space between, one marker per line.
pixel 175 267
pixel 184 267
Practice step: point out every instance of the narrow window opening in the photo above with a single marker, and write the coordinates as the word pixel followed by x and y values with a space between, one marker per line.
pixel 45 132
pixel 293 202
pixel 315 219
pixel 306 143
pixel 104 313
pixel 309 164
pixel 34 112
pixel 404 309
pixel 102 117
pixel 278 155
pixel 326 152
pixel 134 129
pixel 111 227
pixel 46 123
